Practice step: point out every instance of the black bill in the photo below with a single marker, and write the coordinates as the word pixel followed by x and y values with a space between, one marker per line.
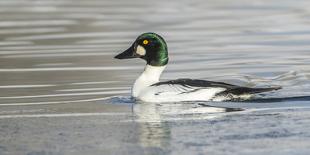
pixel 128 54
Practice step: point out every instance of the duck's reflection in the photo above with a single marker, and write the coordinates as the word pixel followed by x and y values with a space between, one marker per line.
pixel 156 120
pixel 154 131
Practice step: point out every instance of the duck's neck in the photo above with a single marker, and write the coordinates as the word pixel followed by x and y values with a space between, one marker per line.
pixel 150 75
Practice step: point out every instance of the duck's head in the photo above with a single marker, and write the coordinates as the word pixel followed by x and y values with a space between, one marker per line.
pixel 148 46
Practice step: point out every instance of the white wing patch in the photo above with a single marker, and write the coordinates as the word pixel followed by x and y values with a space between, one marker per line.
pixel 177 93
pixel 140 50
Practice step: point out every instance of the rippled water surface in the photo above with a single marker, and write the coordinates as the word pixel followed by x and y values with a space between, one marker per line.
pixel 61 91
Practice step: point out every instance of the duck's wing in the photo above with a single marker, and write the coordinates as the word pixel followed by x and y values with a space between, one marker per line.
pixel 192 85
pixel 183 86
pixel 195 83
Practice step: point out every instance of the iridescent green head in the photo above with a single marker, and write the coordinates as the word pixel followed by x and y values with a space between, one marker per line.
pixel 149 46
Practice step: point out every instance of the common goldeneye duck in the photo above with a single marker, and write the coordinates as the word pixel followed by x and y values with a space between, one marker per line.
pixel 153 49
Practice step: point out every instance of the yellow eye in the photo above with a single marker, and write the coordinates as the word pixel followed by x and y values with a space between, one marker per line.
pixel 145 42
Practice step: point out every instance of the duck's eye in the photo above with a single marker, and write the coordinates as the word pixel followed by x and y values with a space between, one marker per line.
pixel 145 42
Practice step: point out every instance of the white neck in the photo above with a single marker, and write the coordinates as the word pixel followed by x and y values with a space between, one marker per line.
pixel 150 75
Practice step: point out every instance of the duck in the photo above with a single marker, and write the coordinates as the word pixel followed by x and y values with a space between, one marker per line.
pixel 152 48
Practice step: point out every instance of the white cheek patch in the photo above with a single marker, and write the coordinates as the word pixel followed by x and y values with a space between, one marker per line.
pixel 140 50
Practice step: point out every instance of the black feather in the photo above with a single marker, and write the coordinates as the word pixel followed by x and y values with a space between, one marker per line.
pixel 196 83
pixel 203 84
pixel 247 90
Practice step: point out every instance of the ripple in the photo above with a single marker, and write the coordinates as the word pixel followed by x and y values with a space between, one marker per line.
pixel 72 35
pixel 57 55
pixel 25 86
pixel 55 102
pixel 61 115
pixel 68 94
pixel 32 30
pixel 12 43
pixel 36 23
pixel 94 82
pixel 93 89
pixel 66 69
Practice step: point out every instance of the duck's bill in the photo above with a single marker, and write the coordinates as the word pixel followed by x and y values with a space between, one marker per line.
pixel 128 54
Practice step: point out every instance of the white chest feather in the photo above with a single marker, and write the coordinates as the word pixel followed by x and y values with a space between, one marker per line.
pixel 150 76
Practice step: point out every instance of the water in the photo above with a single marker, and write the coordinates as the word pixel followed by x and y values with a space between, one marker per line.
pixel 61 91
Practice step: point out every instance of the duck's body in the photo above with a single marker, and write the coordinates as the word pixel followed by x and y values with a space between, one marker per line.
pixel 148 88
pixel 152 48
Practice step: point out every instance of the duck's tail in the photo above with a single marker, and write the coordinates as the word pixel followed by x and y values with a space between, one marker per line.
pixel 247 90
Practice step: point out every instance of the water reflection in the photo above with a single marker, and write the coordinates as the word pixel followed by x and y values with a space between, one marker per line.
pixel 158 112
pixel 154 118
pixel 154 132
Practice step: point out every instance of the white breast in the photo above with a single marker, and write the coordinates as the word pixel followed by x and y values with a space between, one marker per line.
pixel 149 76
